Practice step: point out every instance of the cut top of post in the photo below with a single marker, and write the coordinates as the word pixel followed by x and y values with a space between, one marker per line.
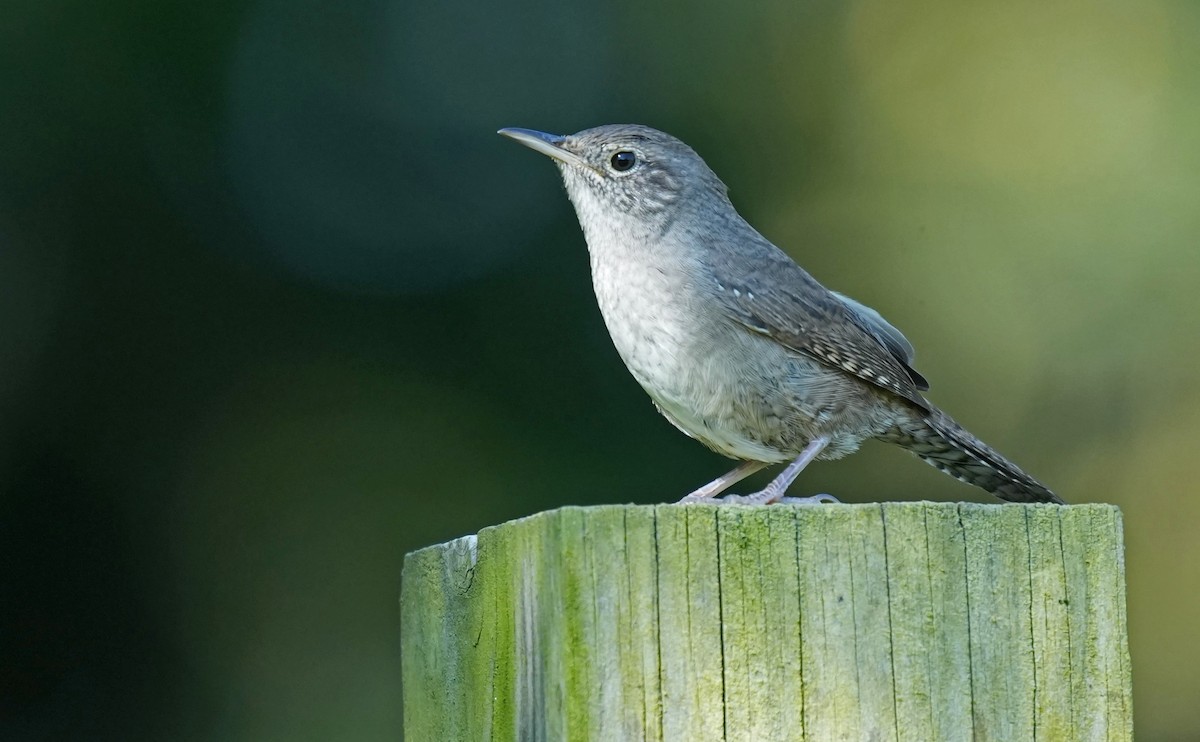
pixel 900 621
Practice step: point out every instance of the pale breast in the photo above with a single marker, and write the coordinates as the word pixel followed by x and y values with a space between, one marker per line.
pixel 648 314
pixel 679 355
pixel 738 393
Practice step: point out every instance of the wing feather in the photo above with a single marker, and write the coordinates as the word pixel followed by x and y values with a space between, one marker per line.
pixel 772 295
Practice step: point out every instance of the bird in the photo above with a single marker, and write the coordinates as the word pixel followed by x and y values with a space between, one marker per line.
pixel 737 345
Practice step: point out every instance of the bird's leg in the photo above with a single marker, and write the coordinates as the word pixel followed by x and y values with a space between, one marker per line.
pixel 775 491
pixel 724 482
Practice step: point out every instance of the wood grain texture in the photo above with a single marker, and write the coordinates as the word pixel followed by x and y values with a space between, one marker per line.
pixel 901 621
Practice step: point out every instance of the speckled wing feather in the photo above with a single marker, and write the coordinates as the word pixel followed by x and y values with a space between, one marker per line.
pixel 771 295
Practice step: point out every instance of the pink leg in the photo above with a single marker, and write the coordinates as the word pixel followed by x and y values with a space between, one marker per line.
pixel 775 491
pixel 724 482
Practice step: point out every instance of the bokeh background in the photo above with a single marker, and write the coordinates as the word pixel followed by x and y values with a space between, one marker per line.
pixel 278 306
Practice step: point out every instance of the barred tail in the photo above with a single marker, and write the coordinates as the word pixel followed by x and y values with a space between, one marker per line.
pixel 946 445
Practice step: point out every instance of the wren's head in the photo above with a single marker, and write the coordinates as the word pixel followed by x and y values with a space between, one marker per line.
pixel 626 176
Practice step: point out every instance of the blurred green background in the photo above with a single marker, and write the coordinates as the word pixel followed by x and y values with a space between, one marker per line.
pixel 278 306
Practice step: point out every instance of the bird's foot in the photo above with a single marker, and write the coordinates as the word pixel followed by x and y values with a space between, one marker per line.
pixel 776 491
pixel 814 500
pixel 765 497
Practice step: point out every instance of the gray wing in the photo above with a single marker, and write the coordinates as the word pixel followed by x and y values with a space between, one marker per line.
pixel 771 295
pixel 887 334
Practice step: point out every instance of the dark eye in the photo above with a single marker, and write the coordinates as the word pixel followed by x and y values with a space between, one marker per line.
pixel 623 160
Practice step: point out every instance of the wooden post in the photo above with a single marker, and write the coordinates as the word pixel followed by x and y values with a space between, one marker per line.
pixel 901 621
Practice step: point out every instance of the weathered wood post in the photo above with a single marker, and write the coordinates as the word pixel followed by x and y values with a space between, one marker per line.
pixel 900 621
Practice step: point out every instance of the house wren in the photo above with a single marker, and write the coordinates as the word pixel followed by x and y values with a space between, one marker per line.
pixel 737 345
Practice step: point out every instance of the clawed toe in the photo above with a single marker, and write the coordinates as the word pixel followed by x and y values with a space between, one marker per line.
pixel 757 498
pixel 814 500
pixel 760 498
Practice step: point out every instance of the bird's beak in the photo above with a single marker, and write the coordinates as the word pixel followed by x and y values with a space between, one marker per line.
pixel 550 145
